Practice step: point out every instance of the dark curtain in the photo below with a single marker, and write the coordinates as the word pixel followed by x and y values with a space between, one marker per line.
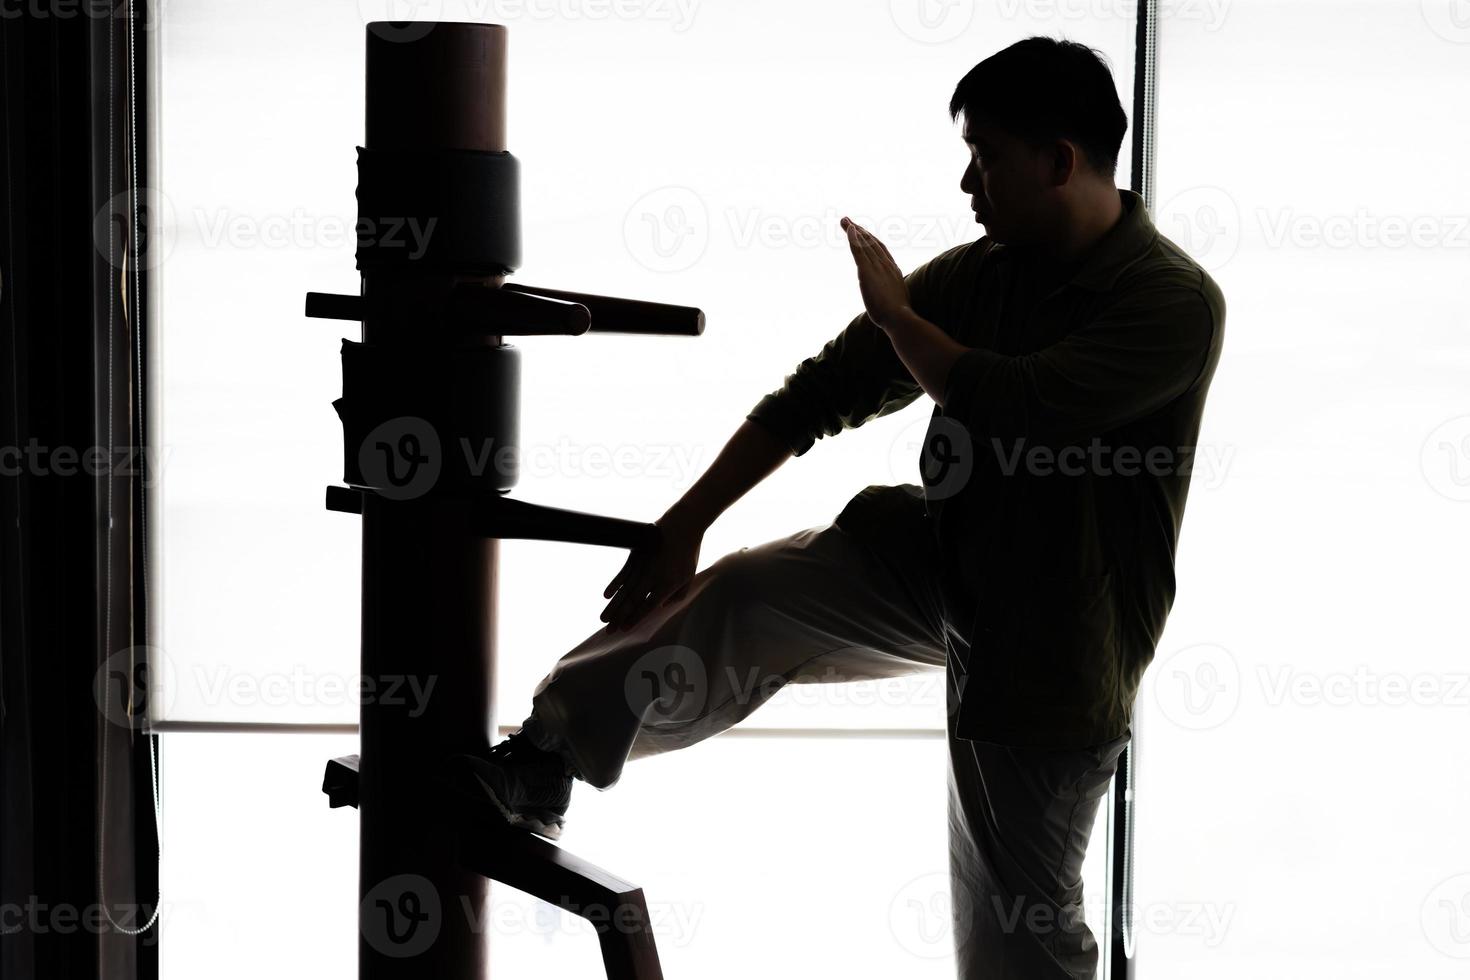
pixel 78 851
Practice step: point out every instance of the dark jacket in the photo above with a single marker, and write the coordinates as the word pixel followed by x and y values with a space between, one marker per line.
pixel 1054 474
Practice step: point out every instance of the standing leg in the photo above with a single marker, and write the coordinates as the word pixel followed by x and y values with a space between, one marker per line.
pixel 1019 823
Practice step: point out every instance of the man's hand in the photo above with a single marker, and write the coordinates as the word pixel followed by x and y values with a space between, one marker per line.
pixel 885 294
pixel 652 577
pixel 926 350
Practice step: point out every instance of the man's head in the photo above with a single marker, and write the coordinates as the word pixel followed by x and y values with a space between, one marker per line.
pixel 1043 126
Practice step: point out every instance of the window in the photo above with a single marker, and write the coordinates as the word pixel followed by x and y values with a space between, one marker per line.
pixel 693 155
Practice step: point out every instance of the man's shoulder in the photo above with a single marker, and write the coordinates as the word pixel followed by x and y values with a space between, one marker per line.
pixel 1165 264
pixel 958 258
pixel 939 282
pixel 1170 290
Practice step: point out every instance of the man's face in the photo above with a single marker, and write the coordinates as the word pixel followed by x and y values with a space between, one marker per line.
pixel 1004 178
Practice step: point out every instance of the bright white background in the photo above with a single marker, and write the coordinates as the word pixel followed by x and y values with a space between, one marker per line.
pixel 1302 735
pixel 1304 768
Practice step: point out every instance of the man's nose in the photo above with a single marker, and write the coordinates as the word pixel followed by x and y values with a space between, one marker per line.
pixel 968 183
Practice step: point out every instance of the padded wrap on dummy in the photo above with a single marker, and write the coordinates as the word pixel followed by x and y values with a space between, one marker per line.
pixel 418 421
pixel 438 210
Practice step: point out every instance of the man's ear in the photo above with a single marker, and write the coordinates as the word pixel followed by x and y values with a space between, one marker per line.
pixel 1065 162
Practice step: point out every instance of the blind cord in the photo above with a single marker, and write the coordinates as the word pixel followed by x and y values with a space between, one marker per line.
pixel 127 302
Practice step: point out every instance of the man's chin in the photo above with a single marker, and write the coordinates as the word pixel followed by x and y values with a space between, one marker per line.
pixel 999 239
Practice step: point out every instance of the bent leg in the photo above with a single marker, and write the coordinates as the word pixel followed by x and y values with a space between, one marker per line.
pixel 817 605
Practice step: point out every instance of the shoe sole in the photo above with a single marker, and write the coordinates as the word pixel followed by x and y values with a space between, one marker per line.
pixel 540 822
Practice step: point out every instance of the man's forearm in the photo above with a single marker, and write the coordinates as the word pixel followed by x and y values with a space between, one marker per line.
pixel 927 351
pixel 751 454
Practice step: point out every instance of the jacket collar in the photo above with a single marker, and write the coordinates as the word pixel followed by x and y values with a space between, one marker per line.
pixel 1123 245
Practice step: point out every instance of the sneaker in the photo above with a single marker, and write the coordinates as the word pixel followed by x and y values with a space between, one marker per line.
pixel 530 787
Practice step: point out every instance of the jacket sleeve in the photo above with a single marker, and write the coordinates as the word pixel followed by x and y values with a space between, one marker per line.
pixel 856 377
pixel 1133 358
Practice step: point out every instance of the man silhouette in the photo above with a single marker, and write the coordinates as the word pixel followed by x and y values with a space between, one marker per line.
pixel 1068 352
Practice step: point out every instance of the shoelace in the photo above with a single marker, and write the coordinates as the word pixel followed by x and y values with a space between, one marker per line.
pixel 517 748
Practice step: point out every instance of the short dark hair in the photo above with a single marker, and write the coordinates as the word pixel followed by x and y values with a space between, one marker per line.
pixel 1042 89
